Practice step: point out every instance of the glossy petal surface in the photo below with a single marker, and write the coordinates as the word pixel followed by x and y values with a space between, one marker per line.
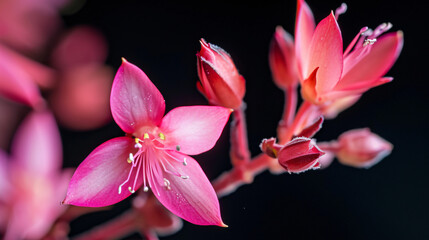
pixel 195 129
pixel 304 29
pixel 97 179
pixel 326 54
pixel 192 199
pixel 134 100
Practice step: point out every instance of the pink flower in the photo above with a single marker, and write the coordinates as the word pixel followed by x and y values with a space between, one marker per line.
pixel 221 83
pixel 154 154
pixel 326 73
pixel 282 59
pixel 31 182
pixel 361 148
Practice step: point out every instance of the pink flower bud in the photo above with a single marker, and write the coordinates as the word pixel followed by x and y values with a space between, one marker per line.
pixel 282 59
pixel 221 83
pixel 269 147
pixel 299 155
pixel 361 148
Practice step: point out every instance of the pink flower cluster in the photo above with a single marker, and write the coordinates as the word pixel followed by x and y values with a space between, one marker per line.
pixel 152 159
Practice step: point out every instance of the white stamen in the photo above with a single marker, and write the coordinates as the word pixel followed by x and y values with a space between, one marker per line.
pixel 130 158
pixel 138 145
pixel 131 190
pixel 184 177
pixel 369 42
pixel 184 162
pixel 167 184
pixel 145 189
pixel 119 189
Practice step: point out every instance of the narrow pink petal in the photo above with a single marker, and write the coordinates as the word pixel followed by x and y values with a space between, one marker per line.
pixel 192 199
pixel 326 53
pixel 97 179
pixel 304 29
pixel 37 144
pixel 375 63
pixel 194 129
pixel 16 84
pixel 134 100
pixel 4 176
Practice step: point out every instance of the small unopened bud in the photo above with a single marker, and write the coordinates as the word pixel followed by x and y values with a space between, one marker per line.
pixel 361 148
pixel 299 155
pixel 269 147
pixel 282 59
pixel 220 81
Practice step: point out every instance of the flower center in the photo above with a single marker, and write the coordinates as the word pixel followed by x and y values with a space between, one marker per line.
pixel 151 160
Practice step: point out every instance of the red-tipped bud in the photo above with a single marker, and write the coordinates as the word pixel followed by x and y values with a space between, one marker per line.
pixel 221 83
pixel 299 155
pixel 269 147
pixel 361 148
pixel 282 59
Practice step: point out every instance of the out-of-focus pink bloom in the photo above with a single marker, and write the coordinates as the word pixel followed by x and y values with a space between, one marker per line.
pixel 154 154
pixel 361 148
pixel 27 25
pixel 80 46
pixel 153 218
pixel 282 59
pixel 326 73
pixel 81 98
pixel 299 155
pixel 20 77
pixel 31 182
pixel 220 81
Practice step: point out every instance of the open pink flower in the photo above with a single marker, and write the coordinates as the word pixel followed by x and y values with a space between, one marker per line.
pixel 154 154
pixel 326 72
pixel 31 181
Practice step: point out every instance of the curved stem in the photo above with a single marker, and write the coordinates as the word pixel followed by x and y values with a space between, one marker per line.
pixel 291 98
pixel 239 153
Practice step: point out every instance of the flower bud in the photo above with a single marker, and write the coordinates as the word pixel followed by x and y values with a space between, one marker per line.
pixel 282 59
pixel 220 81
pixel 269 147
pixel 361 148
pixel 299 155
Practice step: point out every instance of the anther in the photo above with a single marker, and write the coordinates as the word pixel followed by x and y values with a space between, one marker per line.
pixel 177 147
pixel 167 184
pixel 137 145
pixel 161 136
pixel 369 42
pixel 184 162
pixel 130 158
pixel 145 189
pixel 184 177
pixel 146 136
pixel 131 190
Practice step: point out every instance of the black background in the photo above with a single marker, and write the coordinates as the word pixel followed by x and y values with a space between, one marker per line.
pixel 388 201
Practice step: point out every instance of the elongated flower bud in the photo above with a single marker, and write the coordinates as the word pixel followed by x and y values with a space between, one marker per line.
pixel 221 83
pixel 361 148
pixel 282 59
pixel 299 155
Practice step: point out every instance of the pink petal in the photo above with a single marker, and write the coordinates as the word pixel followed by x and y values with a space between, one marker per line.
pixel 192 199
pixel 37 144
pixel 134 100
pixel 194 129
pixel 326 53
pixel 373 65
pixel 4 176
pixel 97 179
pixel 16 84
pixel 304 29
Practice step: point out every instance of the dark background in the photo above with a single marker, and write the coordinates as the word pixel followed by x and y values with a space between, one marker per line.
pixel 388 201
